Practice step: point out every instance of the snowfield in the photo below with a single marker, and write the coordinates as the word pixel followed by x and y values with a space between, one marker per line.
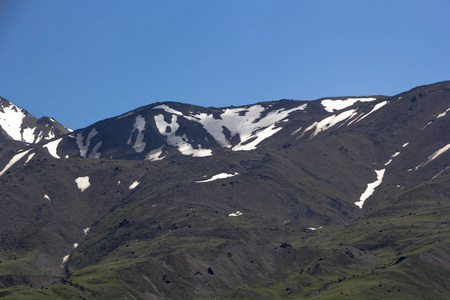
pixel 248 123
pixel 330 105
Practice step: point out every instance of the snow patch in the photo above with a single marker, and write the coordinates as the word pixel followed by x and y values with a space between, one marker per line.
pixel 50 135
pixel 65 260
pixel 28 135
pixel 180 142
pixel 11 120
pixel 371 188
pixel 314 228
pixel 75 245
pixel 47 197
pixel 52 147
pixel 443 114
pixel 139 143
pixel 405 144
pixel 438 174
pixel 236 214
pixel 260 136
pixel 392 156
pixel 86 230
pixel 125 115
pixel 329 122
pixel 83 183
pixel 218 176
pixel 296 131
pixel 133 185
pixel 13 160
pixel 432 156
pixel 155 155
pixel 331 105
pixel 84 147
pixel 375 108
pixel 94 153
pixel 30 157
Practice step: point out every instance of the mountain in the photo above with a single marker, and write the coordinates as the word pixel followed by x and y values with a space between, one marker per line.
pixel 344 197
pixel 17 124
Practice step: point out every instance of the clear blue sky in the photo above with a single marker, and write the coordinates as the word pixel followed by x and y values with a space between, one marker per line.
pixel 83 61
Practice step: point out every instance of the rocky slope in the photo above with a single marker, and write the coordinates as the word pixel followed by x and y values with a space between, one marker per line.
pixel 329 198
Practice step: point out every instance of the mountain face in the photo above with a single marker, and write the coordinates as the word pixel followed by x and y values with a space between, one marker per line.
pixel 333 198
pixel 17 124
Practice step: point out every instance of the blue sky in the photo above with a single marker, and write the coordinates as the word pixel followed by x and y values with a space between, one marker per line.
pixel 83 61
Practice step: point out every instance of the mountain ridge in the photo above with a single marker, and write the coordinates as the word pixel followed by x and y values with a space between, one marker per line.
pixel 311 202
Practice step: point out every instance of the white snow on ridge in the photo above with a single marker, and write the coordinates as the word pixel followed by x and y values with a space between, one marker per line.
pixel 28 135
pixel 83 183
pixel 371 188
pixel 178 141
pixel 331 105
pixel 47 197
pixel 434 155
pixel 247 122
pixel 218 176
pixel 52 147
pixel 13 160
pixel 11 121
pixel 375 108
pixel 330 121
pixel 168 109
pixel 125 115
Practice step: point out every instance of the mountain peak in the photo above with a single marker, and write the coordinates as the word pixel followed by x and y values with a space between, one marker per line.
pixel 19 125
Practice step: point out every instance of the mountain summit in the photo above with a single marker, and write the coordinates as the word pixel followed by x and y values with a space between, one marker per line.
pixel 332 198
pixel 17 124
